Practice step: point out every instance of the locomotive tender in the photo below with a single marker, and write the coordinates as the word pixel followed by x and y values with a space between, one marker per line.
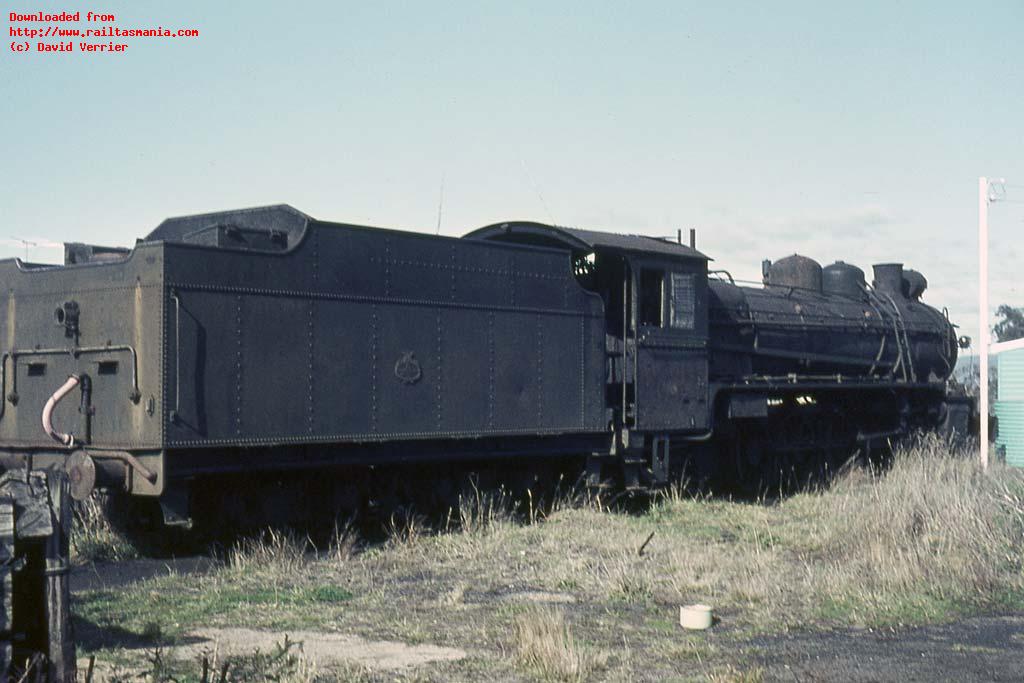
pixel 265 340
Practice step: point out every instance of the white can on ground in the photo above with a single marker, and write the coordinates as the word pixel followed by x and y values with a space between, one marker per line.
pixel 695 617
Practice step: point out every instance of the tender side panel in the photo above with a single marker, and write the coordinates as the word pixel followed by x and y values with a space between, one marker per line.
pixel 119 307
pixel 343 370
pixel 360 335
pixel 272 366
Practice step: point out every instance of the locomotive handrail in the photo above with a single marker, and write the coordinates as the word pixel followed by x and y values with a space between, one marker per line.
pixel 75 351
pixel 840 381
pixel 800 355
pixel 3 384
pixel 177 355
pixel 904 360
pixel 787 320
pixel 762 285
pixel 725 273
pixel 879 355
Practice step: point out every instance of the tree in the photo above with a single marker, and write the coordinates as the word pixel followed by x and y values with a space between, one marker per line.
pixel 1011 325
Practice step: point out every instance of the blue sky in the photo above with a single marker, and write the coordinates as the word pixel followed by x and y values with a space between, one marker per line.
pixel 851 131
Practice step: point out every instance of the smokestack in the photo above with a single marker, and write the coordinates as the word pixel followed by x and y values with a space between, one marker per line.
pixel 889 279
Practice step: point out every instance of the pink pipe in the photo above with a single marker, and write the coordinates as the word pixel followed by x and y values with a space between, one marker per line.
pixel 51 403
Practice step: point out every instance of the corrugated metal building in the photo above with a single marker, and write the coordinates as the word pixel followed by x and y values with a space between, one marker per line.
pixel 1010 406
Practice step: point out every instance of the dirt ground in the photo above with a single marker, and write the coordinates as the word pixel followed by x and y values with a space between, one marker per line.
pixel 911 574
pixel 986 648
pixel 977 649
pixel 325 648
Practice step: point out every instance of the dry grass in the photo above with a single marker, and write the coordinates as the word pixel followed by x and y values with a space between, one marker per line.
pixel 579 497
pixel 345 541
pixel 927 540
pixel 934 527
pixel 94 539
pixel 285 663
pixel 272 552
pixel 544 644
pixel 480 512
pixel 930 537
pixel 406 527
pixel 733 674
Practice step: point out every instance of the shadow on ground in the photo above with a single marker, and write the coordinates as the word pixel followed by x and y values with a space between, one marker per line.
pixel 977 649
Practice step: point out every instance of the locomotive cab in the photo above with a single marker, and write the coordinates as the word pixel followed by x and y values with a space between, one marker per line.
pixel 668 335
pixel 655 294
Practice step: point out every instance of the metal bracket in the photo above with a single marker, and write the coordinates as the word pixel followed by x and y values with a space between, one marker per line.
pixel 174 505
pixel 660 459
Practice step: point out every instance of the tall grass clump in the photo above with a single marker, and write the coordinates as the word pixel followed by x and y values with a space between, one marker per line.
pixel 931 533
pixel 272 551
pixel 284 663
pixel 482 511
pixel 544 644
pixel 406 528
pixel 94 538
pixel 344 542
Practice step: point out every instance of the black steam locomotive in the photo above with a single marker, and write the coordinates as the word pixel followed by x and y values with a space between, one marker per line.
pixel 263 340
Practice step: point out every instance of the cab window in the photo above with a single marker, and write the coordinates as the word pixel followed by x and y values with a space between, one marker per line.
pixel 682 301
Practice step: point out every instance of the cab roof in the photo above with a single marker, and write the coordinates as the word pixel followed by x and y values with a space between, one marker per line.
pixel 528 232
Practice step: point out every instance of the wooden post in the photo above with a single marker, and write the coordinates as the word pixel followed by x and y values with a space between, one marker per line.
pixel 6 584
pixel 58 590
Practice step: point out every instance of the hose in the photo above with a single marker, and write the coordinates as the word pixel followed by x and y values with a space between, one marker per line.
pixel 51 404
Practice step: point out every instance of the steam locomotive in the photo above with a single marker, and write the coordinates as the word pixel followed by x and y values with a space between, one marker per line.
pixel 263 340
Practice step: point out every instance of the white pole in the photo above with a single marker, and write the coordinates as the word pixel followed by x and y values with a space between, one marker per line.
pixel 983 333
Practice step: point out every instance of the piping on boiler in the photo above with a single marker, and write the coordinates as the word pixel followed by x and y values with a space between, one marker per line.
pixel 51 404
